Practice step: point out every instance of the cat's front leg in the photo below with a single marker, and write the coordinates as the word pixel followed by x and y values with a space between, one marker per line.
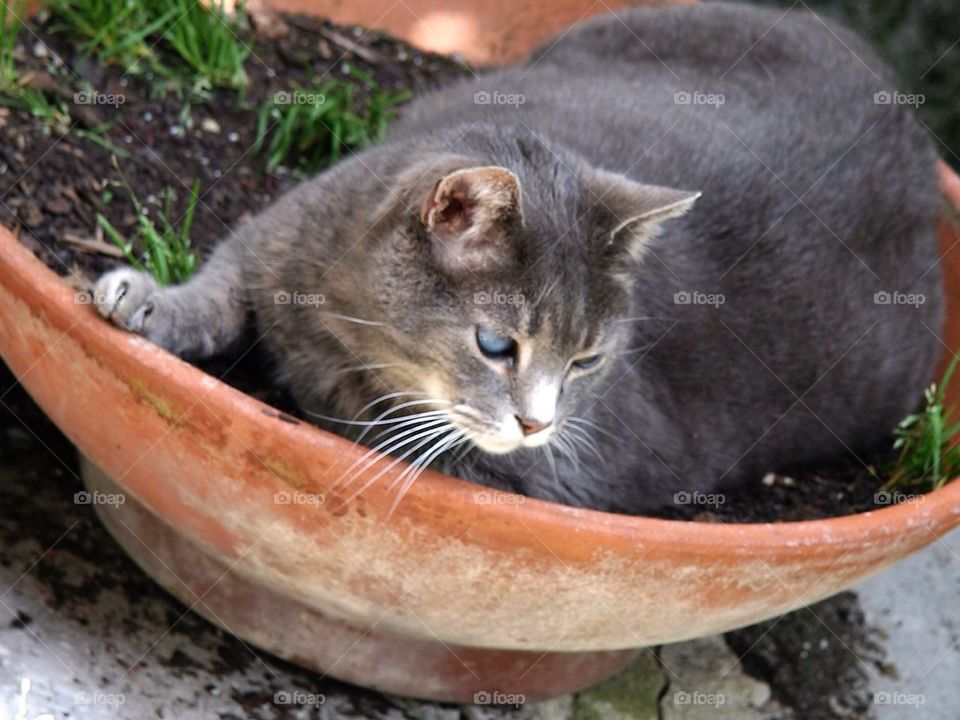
pixel 196 320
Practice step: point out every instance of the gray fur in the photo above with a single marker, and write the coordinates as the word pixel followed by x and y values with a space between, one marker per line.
pixel 814 199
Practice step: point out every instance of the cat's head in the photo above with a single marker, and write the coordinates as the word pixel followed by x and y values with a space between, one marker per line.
pixel 496 291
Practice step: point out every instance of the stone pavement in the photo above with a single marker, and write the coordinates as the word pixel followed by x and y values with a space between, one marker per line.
pixel 95 638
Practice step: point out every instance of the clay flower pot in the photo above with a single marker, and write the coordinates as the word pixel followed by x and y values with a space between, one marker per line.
pixel 462 590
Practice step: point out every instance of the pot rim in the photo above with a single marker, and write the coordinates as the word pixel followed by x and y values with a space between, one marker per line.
pixel 47 294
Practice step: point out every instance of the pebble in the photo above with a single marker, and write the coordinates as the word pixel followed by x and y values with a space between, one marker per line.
pixel 769 479
pixel 176 131
pixel 31 215
pixel 210 125
pixel 40 50
pixel 57 206
pixel 233 137
pixel 147 116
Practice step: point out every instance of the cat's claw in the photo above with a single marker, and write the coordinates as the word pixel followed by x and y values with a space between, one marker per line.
pixel 126 298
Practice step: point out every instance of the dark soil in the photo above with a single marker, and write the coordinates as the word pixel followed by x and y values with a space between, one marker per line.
pixel 841 489
pixel 53 182
pixel 815 659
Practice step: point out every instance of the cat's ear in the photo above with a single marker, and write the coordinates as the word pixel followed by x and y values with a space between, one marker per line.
pixel 468 215
pixel 634 212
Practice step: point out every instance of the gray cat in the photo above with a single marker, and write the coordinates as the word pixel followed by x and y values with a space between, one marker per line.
pixel 675 249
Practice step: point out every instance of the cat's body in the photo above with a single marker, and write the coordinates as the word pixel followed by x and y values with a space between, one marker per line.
pixel 747 337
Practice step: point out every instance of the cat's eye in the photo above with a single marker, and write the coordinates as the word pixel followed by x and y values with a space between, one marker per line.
pixel 496 346
pixel 586 363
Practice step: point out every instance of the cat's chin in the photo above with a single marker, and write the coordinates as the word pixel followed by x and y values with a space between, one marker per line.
pixel 495 445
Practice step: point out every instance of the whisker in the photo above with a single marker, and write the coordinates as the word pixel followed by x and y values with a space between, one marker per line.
pixel 548 451
pixel 431 435
pixel 579 433
pixel 593 425
pixel 404 420
pixel 448 443
pixel 384 397
pixel 358 368
pixel 365 423
pixel 388 446
pixel 398 408
pixel 350 318
pixel 414 463
pixel 564 446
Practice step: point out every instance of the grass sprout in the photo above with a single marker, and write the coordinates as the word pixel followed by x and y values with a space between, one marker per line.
pixel 161 249
pixel 929 456
pixel 318 125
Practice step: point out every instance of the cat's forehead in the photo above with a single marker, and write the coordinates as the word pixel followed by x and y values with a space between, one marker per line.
pixel 555 308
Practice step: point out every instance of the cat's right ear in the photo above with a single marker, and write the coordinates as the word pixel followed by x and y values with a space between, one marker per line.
pixel 468 215
pixel 634 212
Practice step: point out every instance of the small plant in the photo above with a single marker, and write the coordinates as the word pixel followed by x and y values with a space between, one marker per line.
pixel 207 40
pixel 928 455
pixel 53 113
pixel 166 252
pixel 126 31
pixel 318 125
pixel 114 30
pixel 10 26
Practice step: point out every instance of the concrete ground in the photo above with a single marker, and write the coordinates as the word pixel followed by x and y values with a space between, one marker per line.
pixel 84 634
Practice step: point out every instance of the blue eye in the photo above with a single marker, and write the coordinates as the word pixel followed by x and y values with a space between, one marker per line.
pixel 587 362
pixel 496 346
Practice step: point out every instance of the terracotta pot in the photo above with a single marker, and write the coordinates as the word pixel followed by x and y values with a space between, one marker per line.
pixel 462 590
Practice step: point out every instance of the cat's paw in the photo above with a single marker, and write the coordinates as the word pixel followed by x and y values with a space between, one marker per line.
pixel 127 298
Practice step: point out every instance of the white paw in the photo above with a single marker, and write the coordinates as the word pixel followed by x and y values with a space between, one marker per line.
pixel 124 297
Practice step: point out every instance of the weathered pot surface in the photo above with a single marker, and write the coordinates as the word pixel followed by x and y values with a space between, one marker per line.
pixel 461 590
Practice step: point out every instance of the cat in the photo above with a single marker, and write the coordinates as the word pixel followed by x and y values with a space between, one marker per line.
pixel 671 251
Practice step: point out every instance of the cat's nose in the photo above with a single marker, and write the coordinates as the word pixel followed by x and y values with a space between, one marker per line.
pixel 531 427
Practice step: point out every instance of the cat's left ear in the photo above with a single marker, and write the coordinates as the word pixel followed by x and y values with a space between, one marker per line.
pixel 469 214
pixel 634 212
